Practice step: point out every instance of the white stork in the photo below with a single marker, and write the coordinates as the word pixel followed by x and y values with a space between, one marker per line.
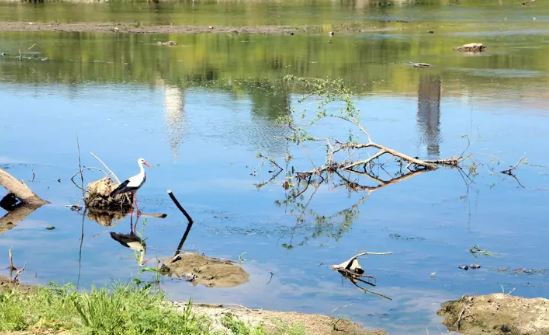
pixel 132 184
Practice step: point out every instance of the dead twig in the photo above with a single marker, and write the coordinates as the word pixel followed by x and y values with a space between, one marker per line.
pixel 80 169
pixel 13 268
pixel 112 174
pixel 351 270
pixel 189 224
pixel 511 170
pixel 274 174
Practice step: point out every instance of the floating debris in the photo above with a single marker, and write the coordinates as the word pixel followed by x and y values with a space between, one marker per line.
pixel 476 250
pixel 396 236
pixel 471 47
pixel 351 270
pixel 469 267
pixel 167 43
pixel 74 208
pixel 420 65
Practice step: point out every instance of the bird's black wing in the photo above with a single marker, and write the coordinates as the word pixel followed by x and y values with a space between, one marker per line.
pixel 124 239
pixel 121 188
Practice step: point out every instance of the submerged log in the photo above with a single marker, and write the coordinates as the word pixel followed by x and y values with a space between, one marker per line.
pixel 19 203
pixel 20 189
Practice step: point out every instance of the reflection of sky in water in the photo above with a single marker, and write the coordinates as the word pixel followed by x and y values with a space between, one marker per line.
pixel 216 137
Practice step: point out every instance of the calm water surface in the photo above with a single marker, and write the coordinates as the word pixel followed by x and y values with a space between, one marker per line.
pixel 202 110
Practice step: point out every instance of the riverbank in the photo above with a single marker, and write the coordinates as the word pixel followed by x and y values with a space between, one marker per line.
pixel 129 309
pixel 136 28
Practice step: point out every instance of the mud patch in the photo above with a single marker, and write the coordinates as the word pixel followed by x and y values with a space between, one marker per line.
pixel 107 27
pixel 276 322
pixel 7 284
pixel 497 314
pixel 204 270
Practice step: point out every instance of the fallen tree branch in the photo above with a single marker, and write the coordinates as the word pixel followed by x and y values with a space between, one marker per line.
pixel 20 189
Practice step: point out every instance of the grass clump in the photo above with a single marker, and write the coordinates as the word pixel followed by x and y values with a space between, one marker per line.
pixel 238 327
pixel 123 310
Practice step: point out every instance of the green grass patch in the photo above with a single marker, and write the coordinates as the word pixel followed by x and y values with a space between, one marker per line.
pixel 122 310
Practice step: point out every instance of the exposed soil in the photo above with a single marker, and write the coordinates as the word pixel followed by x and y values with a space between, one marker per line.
pixel 93 27
pixel 273 322
pixel 204 270
pixel 497 314
pixel 6 283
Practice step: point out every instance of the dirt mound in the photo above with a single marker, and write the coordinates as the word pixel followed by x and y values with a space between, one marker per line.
pixel 98 197
pixel 201 269
pixel 497 314
pixel 276 322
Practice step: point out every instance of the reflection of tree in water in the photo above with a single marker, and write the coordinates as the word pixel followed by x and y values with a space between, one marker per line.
pixel 175 115
pixel 311 224
pixel 428 111
pixel 270 102
pixel 354 164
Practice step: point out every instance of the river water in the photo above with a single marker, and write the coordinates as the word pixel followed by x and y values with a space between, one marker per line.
pixel 202 110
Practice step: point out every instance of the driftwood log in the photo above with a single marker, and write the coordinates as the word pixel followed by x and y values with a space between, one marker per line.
pixel 29 201
pixel 20 189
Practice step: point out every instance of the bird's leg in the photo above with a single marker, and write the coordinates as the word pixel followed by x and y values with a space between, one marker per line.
pixel 132 229
pixel 138 212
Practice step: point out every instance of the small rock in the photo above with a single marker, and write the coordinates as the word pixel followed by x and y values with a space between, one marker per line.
pixel 167 43
pixel 471 47
pixel 421 65
pixel 75 208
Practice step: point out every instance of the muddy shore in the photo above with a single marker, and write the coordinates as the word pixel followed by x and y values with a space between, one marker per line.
pixel 312 324
pixel 135 28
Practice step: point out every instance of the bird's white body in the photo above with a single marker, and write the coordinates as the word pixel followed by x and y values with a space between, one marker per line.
pixel 138 180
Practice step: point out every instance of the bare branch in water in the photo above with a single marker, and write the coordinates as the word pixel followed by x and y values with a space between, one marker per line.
pixel 112 174
pixel 351 270
pixel 189 224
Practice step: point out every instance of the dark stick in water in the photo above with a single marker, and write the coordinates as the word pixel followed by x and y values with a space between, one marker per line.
pixel 189 219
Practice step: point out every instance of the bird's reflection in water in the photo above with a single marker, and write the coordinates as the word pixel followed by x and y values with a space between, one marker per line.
pixel 132 241
pixel 428 111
